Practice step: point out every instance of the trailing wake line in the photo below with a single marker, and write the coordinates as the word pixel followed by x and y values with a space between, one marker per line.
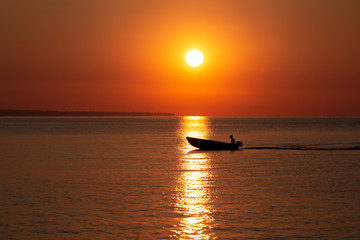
pixel 307 148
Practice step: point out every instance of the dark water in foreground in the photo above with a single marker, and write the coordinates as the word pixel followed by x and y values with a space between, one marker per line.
pixel 137 178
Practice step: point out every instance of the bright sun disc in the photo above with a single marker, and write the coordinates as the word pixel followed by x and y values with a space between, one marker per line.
pixel 194 58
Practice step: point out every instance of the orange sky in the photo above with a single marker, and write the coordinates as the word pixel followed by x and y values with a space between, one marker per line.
pixel 261 58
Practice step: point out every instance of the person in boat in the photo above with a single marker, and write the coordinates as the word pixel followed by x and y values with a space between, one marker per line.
pixel 232 140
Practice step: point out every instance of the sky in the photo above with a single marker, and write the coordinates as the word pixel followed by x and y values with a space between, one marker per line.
pixel 261 58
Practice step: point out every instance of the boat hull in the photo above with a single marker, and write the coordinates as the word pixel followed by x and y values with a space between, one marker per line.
pixel 205 144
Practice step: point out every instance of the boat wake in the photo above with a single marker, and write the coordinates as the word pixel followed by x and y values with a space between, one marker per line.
pixel 333 147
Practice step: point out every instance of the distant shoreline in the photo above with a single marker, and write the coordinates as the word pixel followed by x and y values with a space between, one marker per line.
pixel 53 113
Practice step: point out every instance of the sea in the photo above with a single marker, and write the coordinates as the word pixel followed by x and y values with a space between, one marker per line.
pixel 139 178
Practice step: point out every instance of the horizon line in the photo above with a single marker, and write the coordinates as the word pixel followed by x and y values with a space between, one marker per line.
pixel 10 112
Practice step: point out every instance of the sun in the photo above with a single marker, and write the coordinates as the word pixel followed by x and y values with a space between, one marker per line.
pixel 194 58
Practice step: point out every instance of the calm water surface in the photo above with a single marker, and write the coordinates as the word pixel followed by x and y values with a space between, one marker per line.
pixel 138 178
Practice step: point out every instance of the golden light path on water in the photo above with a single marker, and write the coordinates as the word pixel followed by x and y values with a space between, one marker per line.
pixel 193 197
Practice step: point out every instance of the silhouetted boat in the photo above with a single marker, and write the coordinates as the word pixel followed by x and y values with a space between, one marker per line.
pixel 205 144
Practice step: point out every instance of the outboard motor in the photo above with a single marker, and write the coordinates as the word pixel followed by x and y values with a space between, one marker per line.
pixel 239 144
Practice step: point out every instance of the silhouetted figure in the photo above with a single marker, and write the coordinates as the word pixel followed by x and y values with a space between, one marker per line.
pixel 232 140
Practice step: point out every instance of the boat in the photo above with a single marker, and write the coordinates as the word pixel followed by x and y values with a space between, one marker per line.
pixel 205 144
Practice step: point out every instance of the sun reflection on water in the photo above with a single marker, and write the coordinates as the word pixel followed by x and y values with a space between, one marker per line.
pixel 193 199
